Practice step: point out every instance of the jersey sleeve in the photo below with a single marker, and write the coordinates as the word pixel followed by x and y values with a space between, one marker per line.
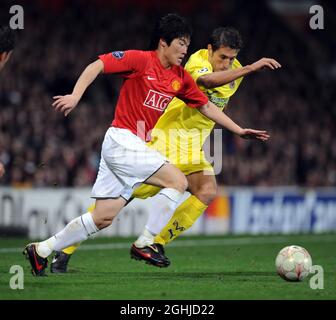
pixel 190 93
pixel 127 63
pixel 198 70
pixel 198 64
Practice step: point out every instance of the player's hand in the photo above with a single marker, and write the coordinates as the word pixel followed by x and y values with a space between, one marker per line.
pixel 254 134
pixel 2 170
pixel 65 104
pixel 265 63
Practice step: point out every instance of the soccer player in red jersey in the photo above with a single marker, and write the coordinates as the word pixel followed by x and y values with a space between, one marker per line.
pixel 151 80
pixel 7 42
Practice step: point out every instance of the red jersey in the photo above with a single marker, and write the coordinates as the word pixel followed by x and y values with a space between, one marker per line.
pixel 147 89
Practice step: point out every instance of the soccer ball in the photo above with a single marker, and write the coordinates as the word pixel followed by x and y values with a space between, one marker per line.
pixel 293 263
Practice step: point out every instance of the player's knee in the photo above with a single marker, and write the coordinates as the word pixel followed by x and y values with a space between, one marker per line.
pixel 101 218
pixel 178 182
pixel 102 223
pixel 206 194
pixel 181 184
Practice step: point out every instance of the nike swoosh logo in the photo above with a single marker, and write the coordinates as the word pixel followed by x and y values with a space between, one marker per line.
pixel 154 249
pixel 38 266
pixel 151 78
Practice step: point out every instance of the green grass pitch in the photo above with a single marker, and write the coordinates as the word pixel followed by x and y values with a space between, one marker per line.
pixel 203 268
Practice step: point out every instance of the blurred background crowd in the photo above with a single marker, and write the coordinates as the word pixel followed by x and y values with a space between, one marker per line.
pixel 42 148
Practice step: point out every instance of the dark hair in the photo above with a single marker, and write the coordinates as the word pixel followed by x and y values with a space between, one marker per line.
pixel 227 37
pixel 168 28
pixel 7 39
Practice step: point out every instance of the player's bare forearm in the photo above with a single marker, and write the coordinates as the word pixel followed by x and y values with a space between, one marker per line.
pixel 213 113
pixel 220 78
pixel 87 77
pixel 67 103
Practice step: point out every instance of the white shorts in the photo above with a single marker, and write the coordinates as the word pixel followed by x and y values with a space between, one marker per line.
pixel 125 162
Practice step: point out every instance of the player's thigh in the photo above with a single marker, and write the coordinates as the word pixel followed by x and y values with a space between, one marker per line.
pixel 145 191
pixel 168 176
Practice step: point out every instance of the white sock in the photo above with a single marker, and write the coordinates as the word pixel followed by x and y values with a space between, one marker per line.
pixel 162 209
pixel 145 239
pixel 77 230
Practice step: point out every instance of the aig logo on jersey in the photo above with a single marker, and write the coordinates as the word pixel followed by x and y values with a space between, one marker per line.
pixel 156 100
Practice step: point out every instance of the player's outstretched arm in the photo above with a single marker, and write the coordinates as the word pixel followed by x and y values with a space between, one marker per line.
pixel 220 78
pixel 212 112
pixel 68 102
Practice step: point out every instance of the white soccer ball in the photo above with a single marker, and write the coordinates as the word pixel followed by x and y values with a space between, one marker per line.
pixel 293 263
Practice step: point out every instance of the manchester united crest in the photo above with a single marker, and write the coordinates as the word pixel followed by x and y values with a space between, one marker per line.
pixel 176 85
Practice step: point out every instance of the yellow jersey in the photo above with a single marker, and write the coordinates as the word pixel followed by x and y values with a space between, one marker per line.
pixel 185 128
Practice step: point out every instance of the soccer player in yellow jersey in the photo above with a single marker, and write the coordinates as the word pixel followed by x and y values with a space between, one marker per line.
pixel 179 135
